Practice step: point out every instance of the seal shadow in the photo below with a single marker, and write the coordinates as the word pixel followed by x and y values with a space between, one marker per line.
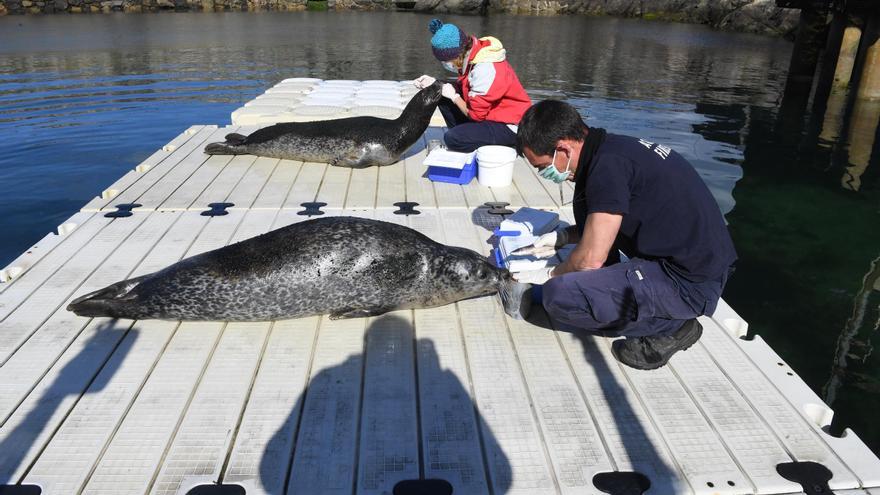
pixel 462 453
pixel 88 372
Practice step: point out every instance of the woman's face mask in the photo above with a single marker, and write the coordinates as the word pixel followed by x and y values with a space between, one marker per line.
pixel 450 66
pixel 552 174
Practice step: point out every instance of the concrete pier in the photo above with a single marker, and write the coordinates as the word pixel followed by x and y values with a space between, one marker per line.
pixel 866 108
pixel 846 97
pixel 836 102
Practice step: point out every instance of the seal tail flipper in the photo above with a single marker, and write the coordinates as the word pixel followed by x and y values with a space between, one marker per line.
pixel 224 149
pixel 235 139
pixel 113 301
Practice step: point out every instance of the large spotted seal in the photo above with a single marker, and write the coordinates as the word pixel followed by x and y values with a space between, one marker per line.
pixel 356 142
pixel 342 266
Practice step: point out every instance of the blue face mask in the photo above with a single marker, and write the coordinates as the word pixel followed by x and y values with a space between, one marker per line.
pixel 448 65
pixel 550 173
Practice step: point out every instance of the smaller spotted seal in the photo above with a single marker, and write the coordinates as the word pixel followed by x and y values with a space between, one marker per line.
pixel 342 266
pixel 356 142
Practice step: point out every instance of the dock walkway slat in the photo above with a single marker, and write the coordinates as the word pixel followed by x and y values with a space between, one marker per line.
pixel 42 349
pixel 325 453
pixel 140 438
pixel 150 178
pixel 172 149
pixel 389 443
pixel 743 432
pixel 461 393
pixel 632 440
pixel 262 452
pixel 21 321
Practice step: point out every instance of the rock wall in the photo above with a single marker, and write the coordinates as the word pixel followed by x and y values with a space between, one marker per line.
pixel 756 16
pixel 97 6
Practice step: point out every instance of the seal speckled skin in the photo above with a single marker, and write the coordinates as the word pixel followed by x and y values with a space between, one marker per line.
pixel 356 142
pixel 342 266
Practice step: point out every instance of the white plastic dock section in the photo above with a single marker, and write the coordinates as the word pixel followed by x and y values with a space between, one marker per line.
pixel 303 99
pixel 460 393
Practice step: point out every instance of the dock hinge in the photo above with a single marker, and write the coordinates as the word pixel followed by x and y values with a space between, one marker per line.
pixel 123 210
pixel 622 483
pixel 423 487
pixel 812 476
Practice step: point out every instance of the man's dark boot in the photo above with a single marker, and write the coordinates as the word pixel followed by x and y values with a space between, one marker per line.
pixel 654 351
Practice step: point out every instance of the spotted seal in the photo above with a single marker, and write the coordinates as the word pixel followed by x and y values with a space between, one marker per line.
pixel 342 266
pixel 356 142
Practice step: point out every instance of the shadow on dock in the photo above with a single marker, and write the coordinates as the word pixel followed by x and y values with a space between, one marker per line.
pixel 630 444
pixel 462 444
pixel 88 372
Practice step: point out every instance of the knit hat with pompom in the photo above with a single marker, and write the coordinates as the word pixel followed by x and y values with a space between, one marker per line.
pixel 448 41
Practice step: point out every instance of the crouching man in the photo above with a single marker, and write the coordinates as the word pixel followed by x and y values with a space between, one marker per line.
pixel 643 199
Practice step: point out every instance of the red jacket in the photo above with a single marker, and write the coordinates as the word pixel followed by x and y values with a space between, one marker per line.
pixel 489 85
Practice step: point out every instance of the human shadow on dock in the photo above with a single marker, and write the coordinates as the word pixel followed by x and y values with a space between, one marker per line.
pixel 627 440
pixel 88 372
pixel 440 441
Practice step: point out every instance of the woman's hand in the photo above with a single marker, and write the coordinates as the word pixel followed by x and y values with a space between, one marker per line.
pixel 424 81
pixel 449 91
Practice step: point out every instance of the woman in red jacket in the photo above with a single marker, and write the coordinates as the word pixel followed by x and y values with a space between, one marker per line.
pixel 487 101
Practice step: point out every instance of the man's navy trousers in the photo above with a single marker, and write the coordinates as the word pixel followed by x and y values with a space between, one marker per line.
pixel 631 299
pixel 465 135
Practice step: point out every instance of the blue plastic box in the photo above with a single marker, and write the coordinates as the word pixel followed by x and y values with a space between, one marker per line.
pixel 454 175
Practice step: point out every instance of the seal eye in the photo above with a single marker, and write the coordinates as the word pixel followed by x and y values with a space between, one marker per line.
pixel 481 274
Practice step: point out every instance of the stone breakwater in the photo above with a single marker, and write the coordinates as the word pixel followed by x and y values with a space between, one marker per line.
pixel 753 16
pixel 106 6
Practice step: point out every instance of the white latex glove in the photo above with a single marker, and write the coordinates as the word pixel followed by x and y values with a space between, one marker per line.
pixel 423 81
pixel 448 91
pixel 545 246
pixel 537 277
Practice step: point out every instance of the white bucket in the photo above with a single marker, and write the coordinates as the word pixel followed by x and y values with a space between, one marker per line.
pixel 495 165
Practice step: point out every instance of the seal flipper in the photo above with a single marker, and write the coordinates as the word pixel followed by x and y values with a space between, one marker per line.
pixel 111 301
pixel 351 159
pixel 224 149
pixel 233 145
pixel 235 139
pixel 359 313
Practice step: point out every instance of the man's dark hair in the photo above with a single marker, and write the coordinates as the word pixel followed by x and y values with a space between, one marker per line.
pixel 545 124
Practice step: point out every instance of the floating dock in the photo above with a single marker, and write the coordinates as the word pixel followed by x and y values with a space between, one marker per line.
pixel 459 397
